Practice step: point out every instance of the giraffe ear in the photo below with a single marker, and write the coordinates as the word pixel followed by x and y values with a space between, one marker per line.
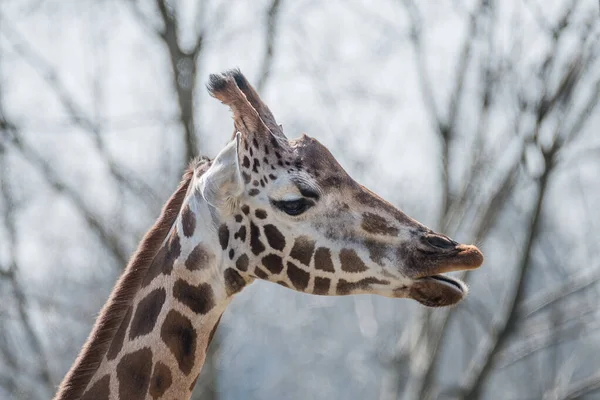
pixel 223 183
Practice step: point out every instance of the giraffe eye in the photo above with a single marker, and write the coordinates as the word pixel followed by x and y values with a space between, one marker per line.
pixel 293 207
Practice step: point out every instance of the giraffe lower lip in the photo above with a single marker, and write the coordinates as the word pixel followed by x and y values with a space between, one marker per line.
pixel 459 285
pixel 438 291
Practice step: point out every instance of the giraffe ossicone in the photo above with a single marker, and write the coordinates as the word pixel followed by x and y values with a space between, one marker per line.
pixel 265 208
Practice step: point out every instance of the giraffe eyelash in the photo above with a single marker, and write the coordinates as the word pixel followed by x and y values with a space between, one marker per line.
pixel 293 207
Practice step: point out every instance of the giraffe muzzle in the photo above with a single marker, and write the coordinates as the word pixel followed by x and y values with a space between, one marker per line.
pixel 437 255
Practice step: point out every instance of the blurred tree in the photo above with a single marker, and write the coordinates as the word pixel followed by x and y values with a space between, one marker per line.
pixel 478 117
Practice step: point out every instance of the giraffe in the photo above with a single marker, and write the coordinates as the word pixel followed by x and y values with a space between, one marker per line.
pixel 264 208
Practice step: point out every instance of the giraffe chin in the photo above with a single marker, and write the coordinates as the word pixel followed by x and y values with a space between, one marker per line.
pixel 438 291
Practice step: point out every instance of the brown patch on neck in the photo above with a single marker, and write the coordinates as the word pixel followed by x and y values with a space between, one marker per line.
pixel 121 298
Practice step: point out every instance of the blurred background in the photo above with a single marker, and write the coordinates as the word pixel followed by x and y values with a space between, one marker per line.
pixel 478 118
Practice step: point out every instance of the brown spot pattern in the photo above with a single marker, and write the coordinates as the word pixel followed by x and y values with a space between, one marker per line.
pixel 99 391
pixel 200 299
pixel 174 246
pixel 260 214
pixel 223 236
pixel 246 177
pixel 345 287
pixel 147 312
pixel 255 244
pixel 179 335
pixel 233 281
pixel 351 262
pixel 188 221
pixel 273 263
pixel 323 260
pixel 298 276
pixel 274 237
pixel 365 196
pixel 242 263
pixel 377 251
pixel 260 273
pixel 161 380
pixel 245 209
pixel 164 259
pixel 253 192
pixel 378 225
pixel 117 342
pixel 303 249
pixel 241 233
pixel 322 285
pixel 133 372
pixel 199 258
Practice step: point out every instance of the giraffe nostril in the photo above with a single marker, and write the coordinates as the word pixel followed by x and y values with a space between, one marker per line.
pixel 440 242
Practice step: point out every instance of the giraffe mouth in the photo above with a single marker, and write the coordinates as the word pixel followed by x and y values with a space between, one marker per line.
pixel 447 280
pixel 438 290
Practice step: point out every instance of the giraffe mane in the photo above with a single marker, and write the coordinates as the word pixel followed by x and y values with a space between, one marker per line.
pixel 112 314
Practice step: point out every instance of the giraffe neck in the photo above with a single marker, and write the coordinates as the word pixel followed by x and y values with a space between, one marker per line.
pixel 159 347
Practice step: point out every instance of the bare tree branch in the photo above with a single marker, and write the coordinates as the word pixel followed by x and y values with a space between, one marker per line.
pixel 271 35
pixel 489 216
pixel 534 339
pixel 444 127
pixel 589 385
pixel 545 299
pixel 109 239
pixel 424 79
pixel 77 114
pixel 11 275
pixel 464 58
pixel 7 354
pixel 491 211
pixel 184 65
pixel 481 365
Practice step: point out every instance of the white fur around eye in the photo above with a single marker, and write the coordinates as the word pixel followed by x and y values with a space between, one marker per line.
pixel 290 197
pixel 284 190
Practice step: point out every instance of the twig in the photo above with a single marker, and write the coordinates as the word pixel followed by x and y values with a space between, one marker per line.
pixel 271 34
pixel 110 240
pixel 77 115
pixel 11 274
pixel 184 66
pixel 424 79
pixel 585 386
pixel 489 216
pixel 572 329
pixel 547 298
pixel 481 365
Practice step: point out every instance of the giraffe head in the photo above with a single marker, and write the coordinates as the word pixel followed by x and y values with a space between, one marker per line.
pixel 287 212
